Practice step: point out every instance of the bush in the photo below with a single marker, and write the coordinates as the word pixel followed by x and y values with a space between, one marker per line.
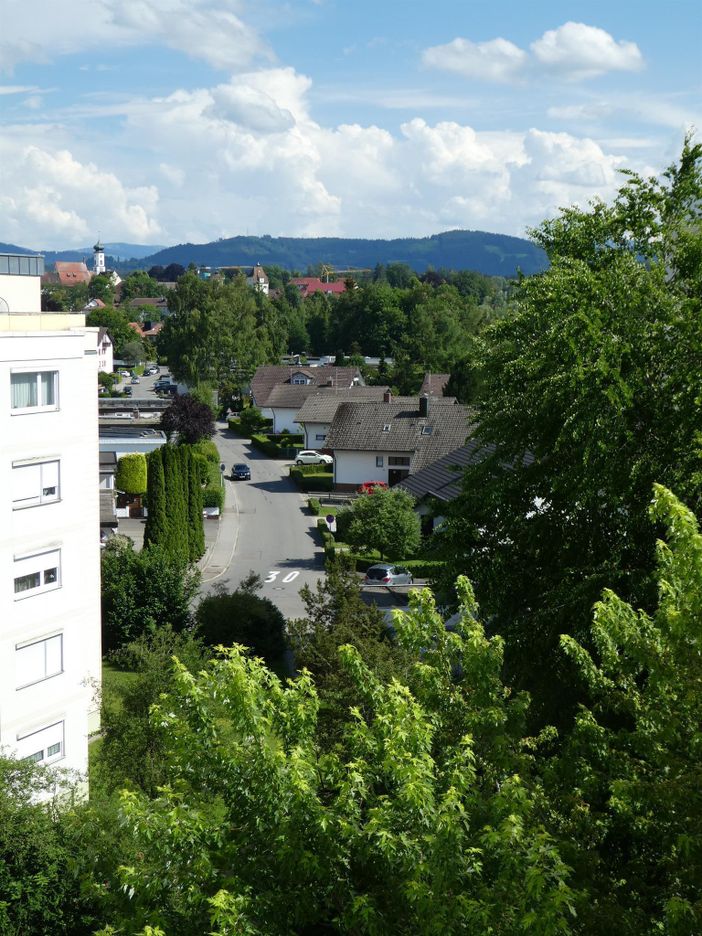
pixel 235 426
pixel 244 618
pixel 131 473
pixel 312 481
pixel 207 449
pixel 202 467
pixel 252 421
pixel 315 506
pixel 213 497
pixel 312 469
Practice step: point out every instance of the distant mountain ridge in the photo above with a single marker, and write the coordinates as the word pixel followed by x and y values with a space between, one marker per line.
pixel 491 254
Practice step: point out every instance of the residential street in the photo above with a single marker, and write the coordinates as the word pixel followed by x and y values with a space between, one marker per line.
pixel 265 528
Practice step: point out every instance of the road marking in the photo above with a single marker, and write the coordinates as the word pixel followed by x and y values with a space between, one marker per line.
pixel 274 573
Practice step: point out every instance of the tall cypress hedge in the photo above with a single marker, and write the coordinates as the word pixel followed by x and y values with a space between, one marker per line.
pixel 175 504
pixel 157 521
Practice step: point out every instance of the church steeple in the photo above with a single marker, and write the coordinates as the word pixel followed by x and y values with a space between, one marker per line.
pixel 99 258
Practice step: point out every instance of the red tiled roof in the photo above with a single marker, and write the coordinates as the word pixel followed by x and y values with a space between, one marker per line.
pixel 312 284
pixel 70 274
pixel 137 328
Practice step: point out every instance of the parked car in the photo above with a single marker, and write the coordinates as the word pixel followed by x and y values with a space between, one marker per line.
pixel 241 473
pixel 127 391
pixel 124 373
pixel 309 457
pixel 384 574
pixel 135 380
pixel 369 486
pixel 163 384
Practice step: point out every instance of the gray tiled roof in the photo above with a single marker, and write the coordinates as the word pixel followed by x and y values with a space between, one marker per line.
pixel 361 427
pixel 321 406
pixel 269 376
pixel 290 396
pixel 442 479
pixel 434 384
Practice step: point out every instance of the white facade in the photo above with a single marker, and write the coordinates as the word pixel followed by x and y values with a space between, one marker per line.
pixel 105 353
pixel 284 418
pixel 50 655
pixel 315 434
pixel 353 468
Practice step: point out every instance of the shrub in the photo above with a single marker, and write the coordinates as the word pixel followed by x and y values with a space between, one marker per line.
pixel 312 481
pixel 131 474
pixel 263 443
pixel 213 497
pixel 253 421
pixel 207 449
pixel 315 506
pixel 201 467
pixel 244 618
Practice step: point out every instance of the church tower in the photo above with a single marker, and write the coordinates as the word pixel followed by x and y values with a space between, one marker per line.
pixel 99 258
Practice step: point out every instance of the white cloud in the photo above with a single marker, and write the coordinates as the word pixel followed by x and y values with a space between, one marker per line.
pixel 496 60
pixel 576 50
pixel 210 30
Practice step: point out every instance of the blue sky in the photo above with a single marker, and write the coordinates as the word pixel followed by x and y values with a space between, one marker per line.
pixel 163 121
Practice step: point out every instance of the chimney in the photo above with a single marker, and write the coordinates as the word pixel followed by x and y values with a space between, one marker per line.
pixel 424 405
pixel 387 397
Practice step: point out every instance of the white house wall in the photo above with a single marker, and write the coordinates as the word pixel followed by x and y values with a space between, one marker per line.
pixel 356 467
pixel 284 420
pixel 21 293
pixel 70 525
pixel 312 433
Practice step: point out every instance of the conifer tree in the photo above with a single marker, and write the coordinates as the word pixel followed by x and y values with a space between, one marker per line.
pixel 157 522
pixel 196 534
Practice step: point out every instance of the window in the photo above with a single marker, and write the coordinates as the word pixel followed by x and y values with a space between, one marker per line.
pixel 427 430
pixel 43 746
pixel 38 573
pixel 320 437
pixel 34 390
pixel 386 427
pixel 378 461
pixel 39 660
pixel 399 460
pixel 35 483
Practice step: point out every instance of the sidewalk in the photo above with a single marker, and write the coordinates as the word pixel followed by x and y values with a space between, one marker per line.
pixel 221 537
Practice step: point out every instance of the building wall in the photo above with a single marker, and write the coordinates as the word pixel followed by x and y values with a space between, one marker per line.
pixel 353 468
pixel 21 293
pixel 105 357
pixel 284 420
pixel 312 430
pixel 62 533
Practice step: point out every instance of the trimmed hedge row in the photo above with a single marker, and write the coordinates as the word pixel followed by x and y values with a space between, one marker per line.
pixel 313 469
pixel 263 443
pixel 213 495
pixel 312 481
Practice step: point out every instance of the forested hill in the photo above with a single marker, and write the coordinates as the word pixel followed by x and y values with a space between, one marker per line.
pixel 491 254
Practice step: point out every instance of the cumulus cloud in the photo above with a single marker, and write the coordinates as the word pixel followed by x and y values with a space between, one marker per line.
pixel 52 198
pixel 580 51
pixel 574 50
pixel 213 31
pixel 496 60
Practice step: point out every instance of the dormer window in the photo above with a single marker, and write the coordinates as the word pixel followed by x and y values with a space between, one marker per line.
pixel 299 379
pixel 386 427
pixel 427 430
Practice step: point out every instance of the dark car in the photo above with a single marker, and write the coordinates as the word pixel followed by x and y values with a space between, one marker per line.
pixel 241 473
pixel 127 391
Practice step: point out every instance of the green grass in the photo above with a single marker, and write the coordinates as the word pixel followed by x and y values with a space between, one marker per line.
pixel 114 682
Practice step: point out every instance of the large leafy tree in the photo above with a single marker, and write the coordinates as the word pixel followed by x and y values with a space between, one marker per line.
pixel 418 823
pixel 384 520
pixel 189 418
pixel 590 393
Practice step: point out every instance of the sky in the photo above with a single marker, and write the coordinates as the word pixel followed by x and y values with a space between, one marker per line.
pixel 172 121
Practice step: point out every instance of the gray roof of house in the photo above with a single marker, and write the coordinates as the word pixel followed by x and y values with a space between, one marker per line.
pixel 269 376
pixel 398 427
pixel 320 407
pixel 434 384
pixel 289 396
pixel 442 479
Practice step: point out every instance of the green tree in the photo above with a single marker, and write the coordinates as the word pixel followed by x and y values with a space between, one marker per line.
pixel 101 287
pixel 117 324
pixel 131 474
pixel 196 531
pixel 396 830
pixel 139 284
pixel 158 519
pixel 40 883
pixel 384 520
pixel 626 784
pixel 589 394
pixel 133 350
pixel 243 617
pixel 142 591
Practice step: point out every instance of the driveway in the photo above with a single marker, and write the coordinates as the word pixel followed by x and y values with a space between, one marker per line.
pixel 265 528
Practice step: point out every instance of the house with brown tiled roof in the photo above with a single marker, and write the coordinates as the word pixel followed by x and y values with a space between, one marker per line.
pixel 279 390
pixel 70 274
pixel 319 409
pixel 386 441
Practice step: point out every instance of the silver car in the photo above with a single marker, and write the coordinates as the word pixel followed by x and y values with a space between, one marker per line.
pixel 386 574
pixel 308 457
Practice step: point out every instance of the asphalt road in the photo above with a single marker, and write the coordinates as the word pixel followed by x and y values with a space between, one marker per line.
pixel 144 390
pixel 275 535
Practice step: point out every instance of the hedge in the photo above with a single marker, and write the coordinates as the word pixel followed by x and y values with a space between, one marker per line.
pixel 213 497
pixel 130 476
pixel 308 481
pixel 265 445
pixel 312 469
pixel 315 506
pixel 208 449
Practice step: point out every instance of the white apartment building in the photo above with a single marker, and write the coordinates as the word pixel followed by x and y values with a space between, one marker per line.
pixel 50 655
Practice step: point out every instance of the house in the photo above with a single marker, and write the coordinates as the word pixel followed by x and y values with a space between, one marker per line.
pixel 388 440
pixel 70 274
pixel 108 468
pixel 280 391
pixel 158 303
pixel 319 409
pixel 307 285
pixel 255 276
pixel 50 653
pixel 440 481
pixel 434 384
pixel 105 352
pixel 151 331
